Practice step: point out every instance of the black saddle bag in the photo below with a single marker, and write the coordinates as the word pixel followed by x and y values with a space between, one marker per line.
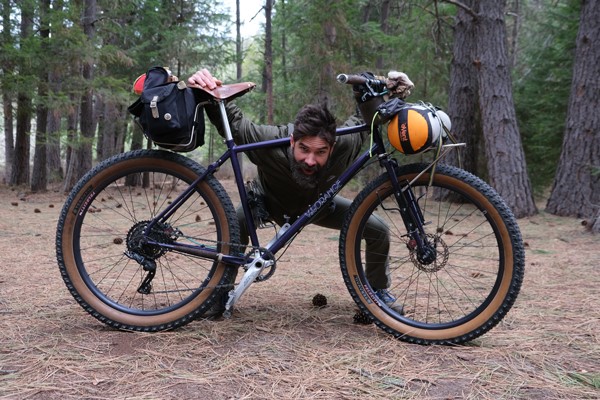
pixel 168 113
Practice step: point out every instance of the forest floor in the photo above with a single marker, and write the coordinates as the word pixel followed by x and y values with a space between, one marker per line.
pixel 278 346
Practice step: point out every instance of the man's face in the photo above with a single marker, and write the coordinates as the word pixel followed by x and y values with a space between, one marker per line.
pixel 310 155
pixel 311 152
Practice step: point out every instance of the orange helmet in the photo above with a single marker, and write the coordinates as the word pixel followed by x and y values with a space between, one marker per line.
pixel 416 128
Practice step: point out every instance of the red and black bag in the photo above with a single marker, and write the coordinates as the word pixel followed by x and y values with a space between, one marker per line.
pixel 168 112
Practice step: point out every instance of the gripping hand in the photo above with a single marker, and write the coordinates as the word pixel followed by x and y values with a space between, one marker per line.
pixel 399 84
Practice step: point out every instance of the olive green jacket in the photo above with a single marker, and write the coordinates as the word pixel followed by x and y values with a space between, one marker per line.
pixel 284 197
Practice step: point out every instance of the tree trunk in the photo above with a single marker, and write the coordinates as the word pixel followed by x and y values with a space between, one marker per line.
pixel 109 129
pixel 72 123
pixel 7 95
pixel 596 223
pixel 462 98
pixel 268 79
pixel 384 26
pixel 9 149
pixel 56 72
pixel 238 42
pixel 283 14
pixel 55 168
pixel 39 177
pixel 82 156
pixel 325 51
pixel 103 126
pixel 576 189
pixel 20 166
pixel 239 58
pixel 505 157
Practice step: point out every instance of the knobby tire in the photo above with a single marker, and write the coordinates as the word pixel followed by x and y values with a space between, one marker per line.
pixel 479 266
pixel 104 217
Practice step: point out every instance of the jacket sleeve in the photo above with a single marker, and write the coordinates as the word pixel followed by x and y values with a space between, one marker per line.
pixel 243 130
pixel 349 146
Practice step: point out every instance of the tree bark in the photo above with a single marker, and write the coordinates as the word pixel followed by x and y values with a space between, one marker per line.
pixel 463 108
pixel 384 26
pixel 268 79
pixel 596 223
pixel 56 71
pixel 238 42
pixel 576 188
pixel 20 167
pixel 7 95
pixel 239 59
pixel 81 160
pixel 39 176
pixel 507 168
pixel 9 149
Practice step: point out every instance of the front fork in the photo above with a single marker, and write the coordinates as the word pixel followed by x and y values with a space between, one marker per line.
pixel 411 214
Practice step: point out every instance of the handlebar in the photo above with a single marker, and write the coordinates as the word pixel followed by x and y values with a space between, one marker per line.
pixel 359 79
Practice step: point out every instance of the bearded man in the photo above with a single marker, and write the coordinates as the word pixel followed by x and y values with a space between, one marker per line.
pixel 293 178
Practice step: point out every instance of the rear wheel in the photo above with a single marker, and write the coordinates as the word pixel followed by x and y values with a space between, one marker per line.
pixel 109 267
pixel 477 269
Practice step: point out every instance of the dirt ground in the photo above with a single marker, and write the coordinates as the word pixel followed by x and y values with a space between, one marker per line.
pixel 278 346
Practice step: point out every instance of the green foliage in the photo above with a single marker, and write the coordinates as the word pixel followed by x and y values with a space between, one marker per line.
pixel 542 84
pixel 313 41
pixel 349 38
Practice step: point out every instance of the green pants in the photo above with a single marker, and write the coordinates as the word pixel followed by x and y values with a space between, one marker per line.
pixel 376 236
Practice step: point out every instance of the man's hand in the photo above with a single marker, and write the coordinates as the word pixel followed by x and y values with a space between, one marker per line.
pixel 203 79
pixel 399 84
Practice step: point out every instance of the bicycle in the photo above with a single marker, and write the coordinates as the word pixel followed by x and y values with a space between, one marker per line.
pixel 148 240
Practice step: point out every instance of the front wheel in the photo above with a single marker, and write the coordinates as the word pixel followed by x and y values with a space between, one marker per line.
pixel 477 270
pixel 104 254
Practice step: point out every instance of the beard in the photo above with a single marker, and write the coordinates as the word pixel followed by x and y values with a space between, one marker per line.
pixel 303 180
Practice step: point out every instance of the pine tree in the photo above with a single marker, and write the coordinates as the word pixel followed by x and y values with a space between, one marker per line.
pixel 576 190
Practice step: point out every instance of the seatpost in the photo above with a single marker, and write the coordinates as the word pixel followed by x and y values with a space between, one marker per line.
pixel 225 121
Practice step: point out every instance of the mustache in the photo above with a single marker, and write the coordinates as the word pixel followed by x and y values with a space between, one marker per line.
pixel 307 167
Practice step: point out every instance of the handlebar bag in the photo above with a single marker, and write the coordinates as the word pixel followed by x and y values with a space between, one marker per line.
pixel 168 113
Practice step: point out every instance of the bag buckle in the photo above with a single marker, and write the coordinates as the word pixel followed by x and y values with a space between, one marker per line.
pixel 153 107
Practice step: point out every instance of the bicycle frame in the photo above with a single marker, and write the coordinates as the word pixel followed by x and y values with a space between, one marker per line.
pixel 148 240
pixel 260 259
pixel 377 149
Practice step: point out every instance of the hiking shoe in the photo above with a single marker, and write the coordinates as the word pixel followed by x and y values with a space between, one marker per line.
pixel 385 296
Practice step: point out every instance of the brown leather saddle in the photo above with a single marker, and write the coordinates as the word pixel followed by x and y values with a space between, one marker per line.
pixel 229 91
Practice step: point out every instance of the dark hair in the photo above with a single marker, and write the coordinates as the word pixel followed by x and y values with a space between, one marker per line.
pixel 315 120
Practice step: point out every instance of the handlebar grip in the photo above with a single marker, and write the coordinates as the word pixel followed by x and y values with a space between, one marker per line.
pixel 351 79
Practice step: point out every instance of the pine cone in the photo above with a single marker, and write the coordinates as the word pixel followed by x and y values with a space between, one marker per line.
pixel 319 300
pixel 362 318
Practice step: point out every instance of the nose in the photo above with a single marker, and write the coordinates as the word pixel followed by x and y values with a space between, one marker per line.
pixel 310 160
